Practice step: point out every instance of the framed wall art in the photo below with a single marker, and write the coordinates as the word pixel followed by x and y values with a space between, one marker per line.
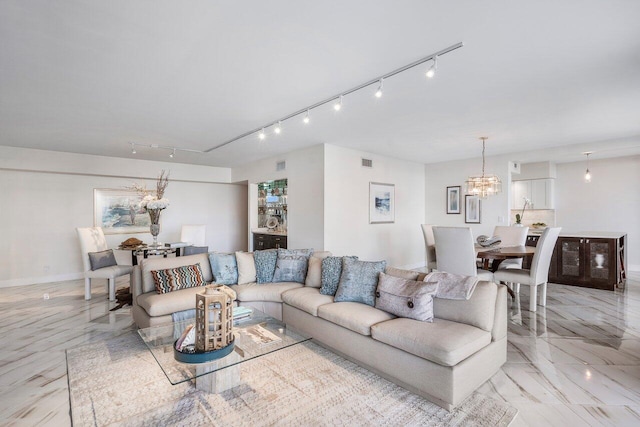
pixel 453 200
pixel 472 209
pixel 118 211
pixel 382 204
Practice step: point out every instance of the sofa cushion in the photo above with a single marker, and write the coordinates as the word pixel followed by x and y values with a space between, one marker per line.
pixel 306 299
pixel 160 263
pixel 353 315
pixel 314 271
pixel 359 280
pixel 265 292
pixel 224 268
pixel 265 265
pixel 331 270
pixel 401 273
pixel 174 279
pixel 102 259
pixel 162 304
pixel 292 265
pixel 478 311
pixel 246 267
pixel 442 342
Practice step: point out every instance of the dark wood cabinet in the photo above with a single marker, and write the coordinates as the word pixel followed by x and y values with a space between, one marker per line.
pixel 592 262
pixel 269 241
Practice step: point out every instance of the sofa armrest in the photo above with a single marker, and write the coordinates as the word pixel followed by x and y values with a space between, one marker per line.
pixel 500 321
pixel 136 284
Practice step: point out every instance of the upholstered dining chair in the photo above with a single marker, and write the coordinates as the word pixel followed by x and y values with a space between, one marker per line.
pixel 456 253
pixel 194 234
pixel 92 240
pixel 511 236
pixel 430 247
pixel 538 275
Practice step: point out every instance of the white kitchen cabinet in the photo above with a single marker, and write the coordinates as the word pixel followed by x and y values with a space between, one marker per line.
pixel 539 191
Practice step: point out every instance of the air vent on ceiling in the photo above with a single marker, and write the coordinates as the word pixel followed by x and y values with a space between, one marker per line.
pixel 367 163
pixel 280 166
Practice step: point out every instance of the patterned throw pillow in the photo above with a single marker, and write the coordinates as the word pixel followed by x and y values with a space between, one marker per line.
pixel 224 268
pixel 359 280
pixel 265 265
pixel 330 276
pixel 173 279
pixel 292 265
pixel 102 259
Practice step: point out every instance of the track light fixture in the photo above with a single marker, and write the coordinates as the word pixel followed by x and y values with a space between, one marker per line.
pixel 133 147
pixel 379 91
pixel 262 135
pixel 278 128
pixel 434 67
pixel 306 118
pixel 338 105
pixel 172 150
pixel 587 174
pixel 173 153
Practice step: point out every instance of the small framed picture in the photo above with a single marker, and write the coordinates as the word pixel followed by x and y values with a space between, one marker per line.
pixel 472 209
pixel 453 200
pixel 382 204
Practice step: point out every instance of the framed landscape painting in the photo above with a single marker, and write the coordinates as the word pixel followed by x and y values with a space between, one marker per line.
pixel 472 209
pixel 453 200
pixel 119 211
pixel 382 204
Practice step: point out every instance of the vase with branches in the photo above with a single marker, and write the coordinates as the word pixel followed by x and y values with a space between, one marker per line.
pixel 154 202
pixel 519 216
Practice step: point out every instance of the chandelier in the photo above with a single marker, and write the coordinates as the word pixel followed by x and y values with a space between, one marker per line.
pixel 483 185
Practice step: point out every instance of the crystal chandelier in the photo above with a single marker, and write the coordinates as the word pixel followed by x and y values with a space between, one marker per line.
pixel 483 185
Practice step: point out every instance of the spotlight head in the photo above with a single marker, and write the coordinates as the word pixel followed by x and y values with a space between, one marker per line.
pixel 277 129
pixel 173 153
pixel 261 135
pixel 432 70
pixel 306 118
pixel 378 93
pixel 587 176
pixel 338 105
pixel 133 147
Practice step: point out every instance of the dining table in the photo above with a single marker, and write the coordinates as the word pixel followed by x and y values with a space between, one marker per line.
pixel 498 254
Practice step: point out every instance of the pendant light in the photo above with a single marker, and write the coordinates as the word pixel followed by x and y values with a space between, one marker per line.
pixel 587 174
pixel 483 185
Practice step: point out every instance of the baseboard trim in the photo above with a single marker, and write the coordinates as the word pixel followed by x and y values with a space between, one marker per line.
pixel 43 279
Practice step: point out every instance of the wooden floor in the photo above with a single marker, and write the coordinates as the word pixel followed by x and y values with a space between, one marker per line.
pixel 575 362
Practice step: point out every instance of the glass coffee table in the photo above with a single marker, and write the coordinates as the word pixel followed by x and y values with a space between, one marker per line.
pixel 255 336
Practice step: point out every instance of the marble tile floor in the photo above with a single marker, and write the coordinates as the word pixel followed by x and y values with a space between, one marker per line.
pixel 575 362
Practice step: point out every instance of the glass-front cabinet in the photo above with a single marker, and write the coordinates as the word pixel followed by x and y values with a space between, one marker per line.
pixel 272 205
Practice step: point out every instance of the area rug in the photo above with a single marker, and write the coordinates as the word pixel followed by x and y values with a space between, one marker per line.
pixel 117 382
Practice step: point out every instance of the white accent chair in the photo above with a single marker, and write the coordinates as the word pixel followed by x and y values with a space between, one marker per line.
pixel 430 247
pixel 511 236
pixel 194 234
pixel 539 273
pixel 92 240
pixel 456 253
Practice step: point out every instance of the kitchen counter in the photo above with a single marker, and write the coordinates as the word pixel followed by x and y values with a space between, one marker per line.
pixel 582 234
pixel 267 231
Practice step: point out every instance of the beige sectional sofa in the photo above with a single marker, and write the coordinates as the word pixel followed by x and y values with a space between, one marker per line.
pixel 443 361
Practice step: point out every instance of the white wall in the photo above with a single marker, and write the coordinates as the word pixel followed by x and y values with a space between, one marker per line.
pixel 45 195
pixel 494 210
pixel 347 230
pixel 305 193
pixel 611 202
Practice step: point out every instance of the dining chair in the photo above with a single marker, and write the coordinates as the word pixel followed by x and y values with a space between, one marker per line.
pixel 456 253
pixel 430 247
pixel 92 240
pixel 538 275
pixel 511 236
pixel 194 234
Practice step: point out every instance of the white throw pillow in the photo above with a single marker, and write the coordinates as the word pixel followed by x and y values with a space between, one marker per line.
pixel 314 272
pixel 246 267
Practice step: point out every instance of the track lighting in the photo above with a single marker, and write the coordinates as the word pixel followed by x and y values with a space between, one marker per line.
pixel 133 147
pixel 261 135
pixel 306 118
pixel 172 150
pixel 173 153
pixel 338 105
pixel 587 174
pixel 434 67
pixel 379 91
pixel 278 128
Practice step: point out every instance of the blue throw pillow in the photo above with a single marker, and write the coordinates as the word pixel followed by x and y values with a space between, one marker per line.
pixel 330 275
pixel 224 268
pixel 292 265
pixel 359 280
pixel 265 264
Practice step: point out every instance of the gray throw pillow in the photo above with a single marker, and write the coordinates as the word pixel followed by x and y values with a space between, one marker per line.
pixel 292 265
pixel 224 268
pixel 359 280
pixel 265 265
pixel 102 259
pixel 406 298
pixel 330 274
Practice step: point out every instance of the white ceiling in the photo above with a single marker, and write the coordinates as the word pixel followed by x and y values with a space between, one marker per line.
pixel 88 77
